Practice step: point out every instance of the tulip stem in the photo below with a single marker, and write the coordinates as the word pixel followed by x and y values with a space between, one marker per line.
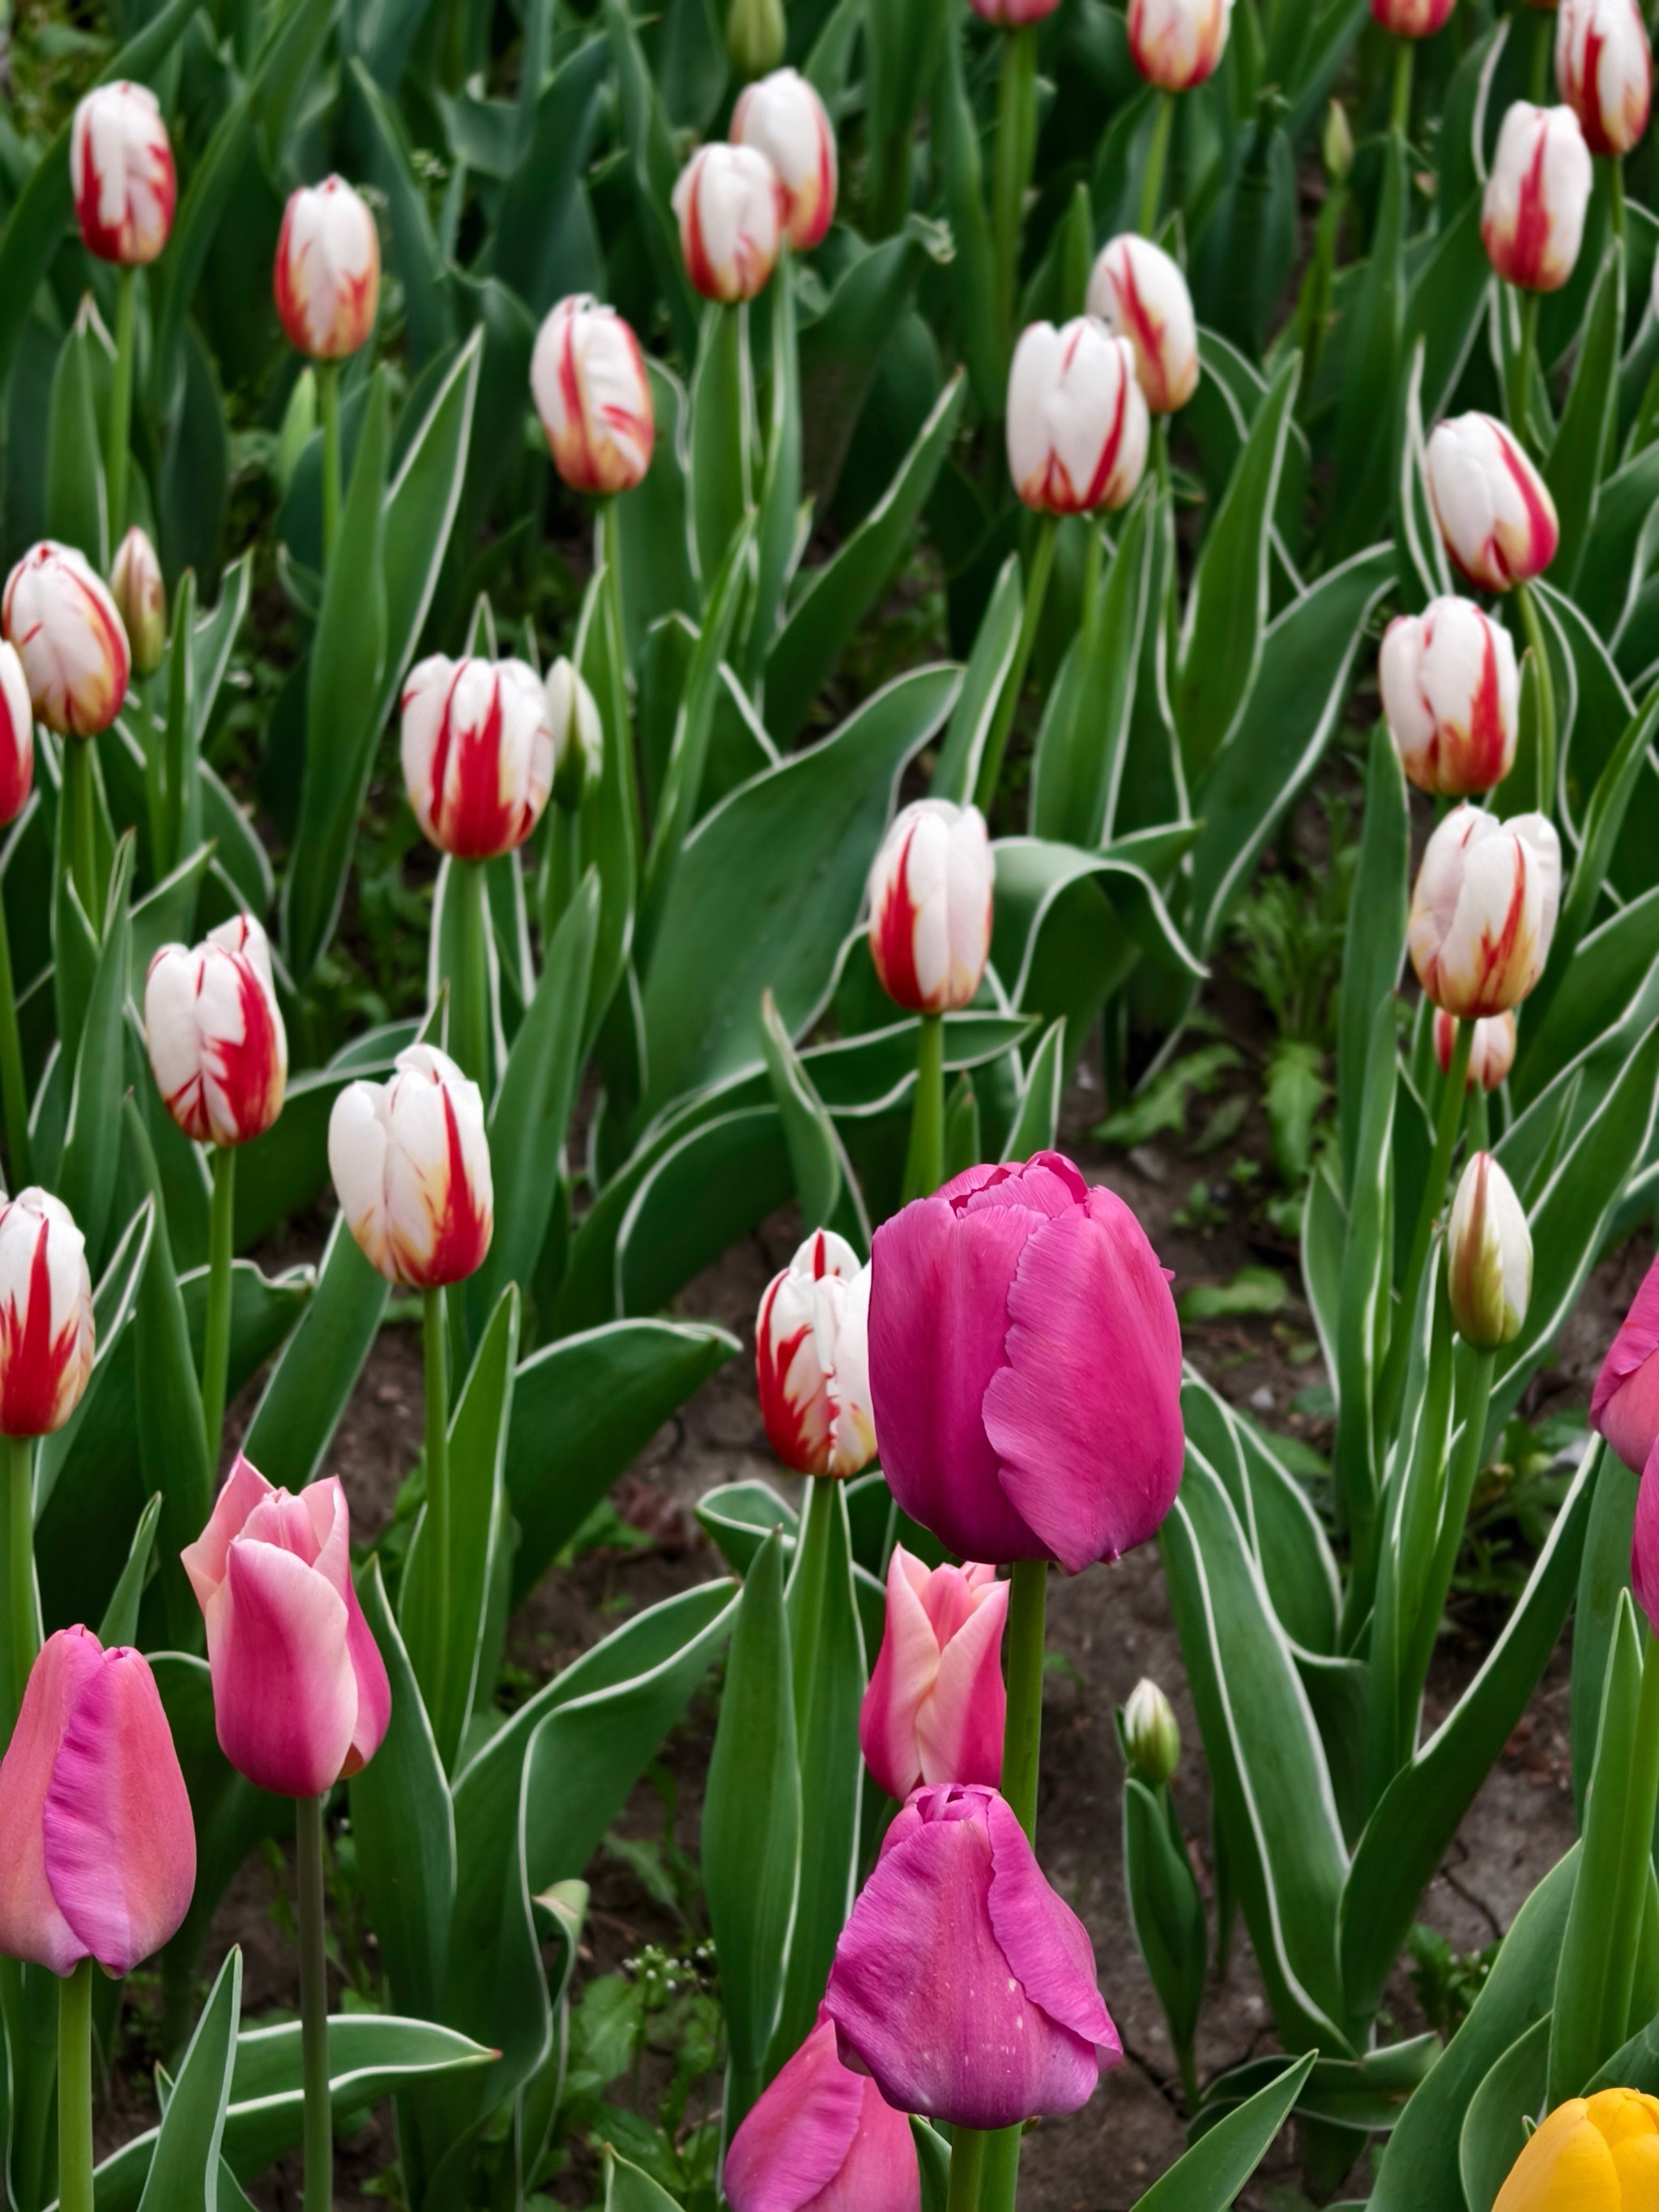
pixel 1015 156
pixel 470 1025
pixel 1521 371
pixel 924 1165
pixel 74 2192
pixel 1405 56
pixel 1434 1193
pixel 967 2163
pixel 313 2004
pixel 23 1606
pixel 1037 587
pixel 435 1541
pixel 14 1090
pixel 328 404
pixel 1460 1489
pixel 1616 195
pixel 1028 1605
pixel 119 431
pixel 216 1341
pixel 80 838
pixel 1532 623
pixel 1157 160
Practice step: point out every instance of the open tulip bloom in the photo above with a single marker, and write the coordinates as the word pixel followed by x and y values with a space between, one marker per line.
pixel 823 2139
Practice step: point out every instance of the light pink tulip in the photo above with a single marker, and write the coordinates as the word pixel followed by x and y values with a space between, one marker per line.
pixel 783 117
pixel 121 172
pixel 1604 70
pixel 1491 1053
pixel 1494 510
pixel 930 906
pixel 935 1707
pixel 46 1333
pixel 812 1360
pixel 1625 1403
pixel 217 1047
pixel 593 393
pixel 58 614
pixel 1532 216
pixel 823 2139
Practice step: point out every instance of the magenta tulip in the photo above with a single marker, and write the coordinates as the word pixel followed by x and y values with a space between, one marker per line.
pixel 1625 1403
pixel 101 1851
pixel 961 1984
pixel 1025 1367
pixel 823 2139
pixel 300 1691
pixel 935 1706
pixel 1644 1542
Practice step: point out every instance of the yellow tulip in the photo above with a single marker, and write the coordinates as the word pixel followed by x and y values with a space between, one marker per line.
pixel 1595 2154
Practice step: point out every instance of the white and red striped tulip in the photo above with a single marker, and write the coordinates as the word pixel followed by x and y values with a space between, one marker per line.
pixel 1413 19
pixel 1532 218
pixel 1140 294
pixel 930 906
pixel 217 1047
pixel 1176 44
pixel 410 1164
pixel 16 736
pixel 1488 1256
pixel 1483 912
pixel 936 1707
pixel 1078 423
pixel 588 378
pixel 1492 1049
pixel 1451 695
pixel 1495 513
pixel 141 599
pixel 812 1360
pixel 782 118
pixel 327 278
pixel 58 614
pixel 572 716
pixel 121 174
pixel 729 202
pixel 478 753
pixel 47 1335
pixel 1604 71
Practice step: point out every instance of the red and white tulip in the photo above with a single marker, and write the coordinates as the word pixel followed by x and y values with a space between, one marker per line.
pixel 1413 19
pixel 478 753
pixel 121 174
pixel 1488 1256
pixel 141 599
pixel 1483 912
pixel 1494 510
pixel 1140 294
pixel 1451 695
pixel 812 1360
pixel 47 1335
pixel 410 1164
pixel 1604 70
pixel 1078 423
pixel 1532 218
pixel 930 906
pixel 16 736
pixel 327 279
pixel 1176 44
pixel 217 1045
pixel 782 118
pixel 1492 1049
pixel 59 616
pixel 935 1708
pixel 729 202
pixel 588 378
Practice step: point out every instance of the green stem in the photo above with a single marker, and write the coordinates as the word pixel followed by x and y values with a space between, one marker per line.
pixel 14 1090
pixel 313 2006
pixel 328 402
pixel 436 1538
pixel 215 1341
pixel 924 1165
pixel 1533 624
pixel 1616 195
pixel 1543 41
pixel 1434 1193
pixel 1016 152
pixel 563 868
pixel 74 2192
pixel 1454 1513
pixel 470 1024
pixel 1157 159
pixel 22 1603
pixel 610 546
pixel 1405 58
pixel 990 767
pixel 1635 1857
pixel 967 2163
pixel 80 840
pixel 119 429
pixel 1190 2090
pixel 1521 371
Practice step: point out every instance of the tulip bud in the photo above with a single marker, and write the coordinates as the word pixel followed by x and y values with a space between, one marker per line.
pixel 935 1708
pixel 1484 909
pixel 1140 294
pixel 783 119
pixel 1013 14
pixel 930 906
pixel 70 638
pixel 1412 19
pixel 1491 1053
pixel 1151 1735
pixel 1604 71
pixel 1451 694
pixel 16 736
pixel 822 2137
pixel 572 716
pixel 729 202
pixel 588 378
pixel 327 279
pixel 300 1697
pixel 1336 144
pixel 122 175
pixel 812 1360
pixel 1078 425
pixel 1176 44
pixel 217 1045
pixel 961 1984
pixel 141 599
pixel 410 1164
pixel 1625 1403
pixel 1532 218
pixel 477 754
pixel 47 1335
pixel 1489 1256
pixel 101 1848
pixel 1494 509
pixel 756 35
pixel 1596 2155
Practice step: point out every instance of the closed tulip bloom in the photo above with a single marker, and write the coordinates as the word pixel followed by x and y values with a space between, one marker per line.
pixel 47 1335
pixel 593 393
pixel 823 2139
pixel 935 1707
pixel 1151 1735
pixel 101 1848
pixel 1412 19
pixel 1644 1542
pixel 478 753
pixel 1488 1256
pixel 1592 2154
pixel 1532 218
pixel 962 1982
pixel 1451 695
pixel 141 599
pixel 812 1360
pixel 1492 1051
pixel 572 716
pixel 1604 71
pixel 1484 909
pixel 217 1045
pixel 16 736
pixel 930 906
pixel 729 202
pixel 1177 43
pixel 1140 294
pixel 1078 424
pixel 122 175
pixel 1494 509
pixel 1025 1366
pixel 300 1692
pixel 1013 15
pixel 327 279
pixel 63 624
pixel 1625 1403
pixel 782 118
pixel 410 1164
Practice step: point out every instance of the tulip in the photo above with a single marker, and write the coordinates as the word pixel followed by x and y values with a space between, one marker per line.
pixel 410 1164
pixel 70 637
pixel 1491 1050
pixel 1494 510
pixel 1412 19
pixel 935 1707
pixel 1078 424
pixel 121 174
pixel 1532 218
pixel 46 1336
pixel 101 1848
pixel 300 1697
pixel 141 599
pixel 217 1045
pixel 1483 911
pixel 1151 1735
pixel 812 1360
pixel 1488 1256
pixel 1625 1403
pixel 16 736
pixel 1451 695
pixel 589 381
pixel 961 1984
pixel 1025 1366
pixel 1176 44
pixel 327 277
pixel 782 118
pixel 823 2139
pixel 729 201
pixel 755 36
pixel 478 753
pixel 1140 294
pixel 573 717
pixel 1594 2154
pixel 1013 14
pixel 930 906
pixel 1604 71
pixel 1644 1543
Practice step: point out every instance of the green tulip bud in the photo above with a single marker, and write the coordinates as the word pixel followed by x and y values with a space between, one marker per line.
pixel 1150 1735
pixel 1336 144
pixel 755 36
pixel 1489 1257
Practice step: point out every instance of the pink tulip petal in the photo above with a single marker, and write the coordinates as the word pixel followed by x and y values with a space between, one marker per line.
pixel 330 1516
pixel 959 1727
pixel 1042 1939
pixel 1644 1540
pixel 284 1691
pixel 880 2173
pixel 1625 1403
pixel 795 2141
pixel 905 1670
pixel 32 1923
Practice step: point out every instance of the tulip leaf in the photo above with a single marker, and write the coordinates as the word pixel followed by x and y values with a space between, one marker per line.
pixel 1037 1125
pixel 628 2190
pixel 651 521
pixel 1603 1578
pixel 92 1132
pixel 1496 2126
pixel 720 1180
pixel 1583 448
pixel 779 532
pixel 183 2168
pixel 957 770
pixel 1209 2177
pixel 610 816
pixel 318 1367
pixel 421 506
pixel 644 131
pixel 1372 358
pixel 120 1622
pixel 1364 1324
pixel 282 1171
pixel 723 435
pixel 75 468
pixel 1372 956
pixel 824 1180
pixel 1165 1906
pixel 1080 758
pixel 972 269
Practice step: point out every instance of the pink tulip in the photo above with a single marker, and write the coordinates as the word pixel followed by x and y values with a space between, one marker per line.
pixel 16 736
pixel 961 1984
pixel 1013 14
pixel 46 1332
pixel 101 1851
pixel 300 1692
pixel 934 1709
pixel 1491 1055
pixel 1645 1541
pixel 1025 1366
pixel 121 174
pixel 1625 1403
pixel 1604 71
pixel 823 2139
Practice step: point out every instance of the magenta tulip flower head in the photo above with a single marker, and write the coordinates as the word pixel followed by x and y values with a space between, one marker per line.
pixel 935 1707
pixel 300 1692
pixel 823 2139
pixel 1025 1366
pixel 961 1984
pixel 1645 1541
pixel 1625 1403
pixel 100 1860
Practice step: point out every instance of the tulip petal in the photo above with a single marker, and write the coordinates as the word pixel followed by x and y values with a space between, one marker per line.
pixel 32 1922
pixel 1625 1403
pixel 1044 1942
pixel 906 1668
pixel 795 2141
pixel 959 1726
pixel 284 1690
pixel 1566 2167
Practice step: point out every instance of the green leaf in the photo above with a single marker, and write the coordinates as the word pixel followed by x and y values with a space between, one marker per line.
pixel 183 2168
pixel 1579 458
pixel 91 1134
pixel 1209 2176
pixel 778 530
pixel 654 162
pixel 651 524
pixel 302 1404
pixel 1037 1123
pixel 716 1183
pixel 972 274
pixel 420 511
pixel 412 248
pixel 1370 332
pixel 723 437
pixel 75 468
pixel 1079 759
pixel 956 771
pixel 1371 956
pixel 824 1181
pixel 120 1622
pixel 1496 2124
pixel 1603 1578
pixel 628 2190
pixel 1166 1908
